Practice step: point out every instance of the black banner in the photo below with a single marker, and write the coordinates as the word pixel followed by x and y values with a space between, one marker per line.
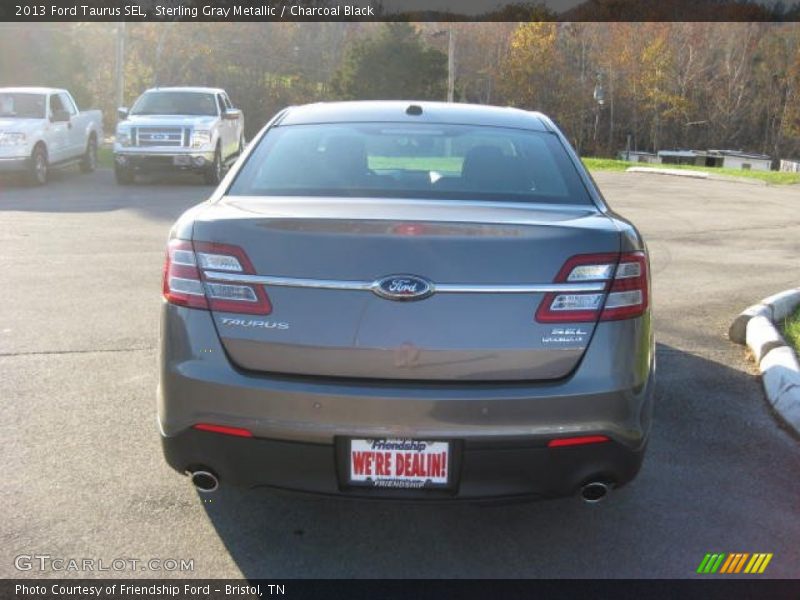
pixel 397 10
pixel 218 589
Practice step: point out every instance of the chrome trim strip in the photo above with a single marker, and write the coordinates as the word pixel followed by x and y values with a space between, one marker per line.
pixel 442 288
pixel 533 288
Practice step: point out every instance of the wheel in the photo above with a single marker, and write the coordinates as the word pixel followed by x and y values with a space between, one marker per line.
pixel 37 171
pixel 89 160
pixel 213 175
pixel 123 175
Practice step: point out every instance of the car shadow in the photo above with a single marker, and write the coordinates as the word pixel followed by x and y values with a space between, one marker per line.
pixel 689 498
pixel 162 197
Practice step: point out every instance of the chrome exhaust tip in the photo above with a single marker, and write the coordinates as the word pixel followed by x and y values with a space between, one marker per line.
pixel 204 481
pixel 595 492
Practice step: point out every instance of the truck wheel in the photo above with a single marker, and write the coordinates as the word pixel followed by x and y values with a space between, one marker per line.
pixel 213 175
pixel 37 171
pixel 123 175
pixel 89 160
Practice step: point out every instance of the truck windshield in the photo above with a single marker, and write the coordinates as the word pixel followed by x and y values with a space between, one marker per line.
pixel 398 160
pixel 22 105
pixel 175 103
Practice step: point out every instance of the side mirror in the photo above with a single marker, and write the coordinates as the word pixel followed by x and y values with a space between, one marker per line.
pixel 60 116
pixel 231 114
pixel 122 113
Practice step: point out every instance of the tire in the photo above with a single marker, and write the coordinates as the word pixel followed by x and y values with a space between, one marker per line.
pixel 123 175
pixel 37 171
pixel 213 175
pixel 89 160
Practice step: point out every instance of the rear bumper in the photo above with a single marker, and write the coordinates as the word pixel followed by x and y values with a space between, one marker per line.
pixel 499 431
pixel 522 470
pixel 14 164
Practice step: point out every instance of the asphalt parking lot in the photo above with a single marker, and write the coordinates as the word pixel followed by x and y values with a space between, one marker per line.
pixel 84 477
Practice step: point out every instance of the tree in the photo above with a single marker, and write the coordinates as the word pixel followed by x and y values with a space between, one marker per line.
pixel 394 64
pixel 665 84
pixel 531 71
pixel 42 54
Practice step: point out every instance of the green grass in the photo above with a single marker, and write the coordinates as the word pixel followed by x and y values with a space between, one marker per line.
pixel 450 164
pixel 607 164
pixel 791 329
pixel 774 177
pixel 105 158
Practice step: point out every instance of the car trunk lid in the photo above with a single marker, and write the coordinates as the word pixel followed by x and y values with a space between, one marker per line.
pixel 321 258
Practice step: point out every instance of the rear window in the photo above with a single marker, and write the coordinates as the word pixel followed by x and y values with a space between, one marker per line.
pixel 397 160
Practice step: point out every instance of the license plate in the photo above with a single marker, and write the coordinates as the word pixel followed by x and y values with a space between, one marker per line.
pixel 399 463
pixel 181 161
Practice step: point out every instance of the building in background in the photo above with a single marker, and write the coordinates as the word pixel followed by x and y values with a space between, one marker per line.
pixel 695 158
pixel 728 159
pixel 637 156
pixel 746 161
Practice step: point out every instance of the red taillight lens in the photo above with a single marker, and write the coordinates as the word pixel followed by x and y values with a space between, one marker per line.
pixel 577 441
pixel 186 284
pixel 628 297
pixel 230 297
pixel 224 429
pixel 626 283
pixel 182 283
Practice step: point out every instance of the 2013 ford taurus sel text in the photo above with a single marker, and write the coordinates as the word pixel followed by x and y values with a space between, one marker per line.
pixel 408 301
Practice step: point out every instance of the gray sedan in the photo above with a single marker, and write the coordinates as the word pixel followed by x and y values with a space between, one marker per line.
pixel 407 301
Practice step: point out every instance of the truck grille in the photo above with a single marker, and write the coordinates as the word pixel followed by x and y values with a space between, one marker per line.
pixel 161 136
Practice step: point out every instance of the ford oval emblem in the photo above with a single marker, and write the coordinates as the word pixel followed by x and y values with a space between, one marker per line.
pixel 403 287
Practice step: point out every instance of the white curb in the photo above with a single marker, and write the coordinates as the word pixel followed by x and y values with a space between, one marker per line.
pixel 780 373
pixel 738 329
pixel 762 337
pixel 678 172
pixel 782 304
pixel 781 377
pixel 776 308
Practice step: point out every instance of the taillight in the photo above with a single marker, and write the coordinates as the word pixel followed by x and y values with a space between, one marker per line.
pixel 624 297
pixel 224 429
pixel 580 440
pixel 628 295
pixel 182 283
pixel 185 284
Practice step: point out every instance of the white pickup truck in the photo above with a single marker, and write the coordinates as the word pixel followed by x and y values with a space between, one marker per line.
pixel 193 129
pixel 42 128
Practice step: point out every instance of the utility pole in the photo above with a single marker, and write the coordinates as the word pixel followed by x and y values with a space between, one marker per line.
pixel 599 96
pixel 120 70
pixel 451 59
pixel 451 66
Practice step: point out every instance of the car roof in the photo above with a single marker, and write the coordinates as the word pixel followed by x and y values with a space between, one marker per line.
pixel 203 90
pixel 397 111
pixel 31 90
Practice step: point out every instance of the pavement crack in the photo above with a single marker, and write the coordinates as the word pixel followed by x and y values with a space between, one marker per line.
pixel 90 351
